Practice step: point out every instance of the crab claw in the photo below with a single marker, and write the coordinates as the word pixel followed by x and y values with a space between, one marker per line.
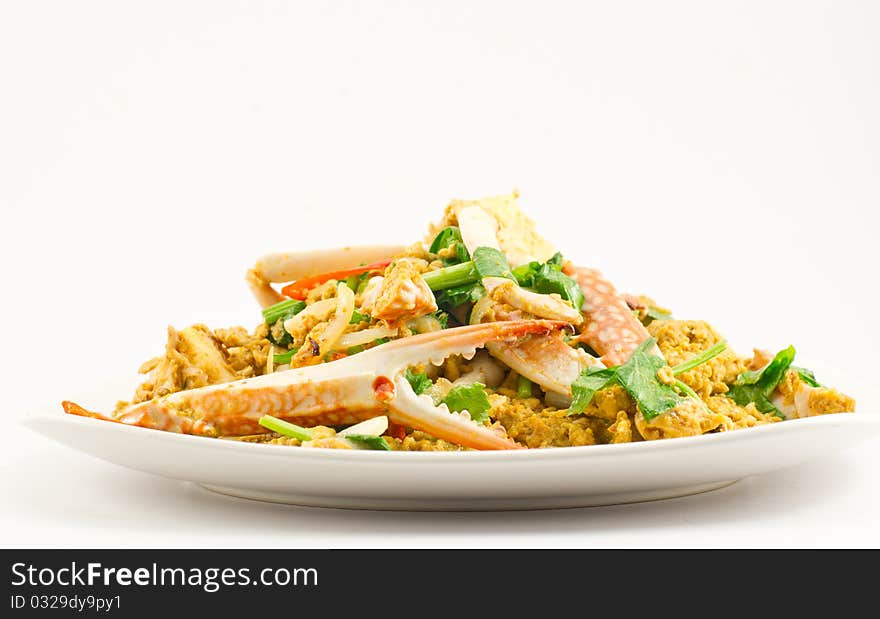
pixel 338 393
pixel 289 266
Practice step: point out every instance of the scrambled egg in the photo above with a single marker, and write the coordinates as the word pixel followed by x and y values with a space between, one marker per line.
pixel 689 418
pixel 681 340
pixel 533 425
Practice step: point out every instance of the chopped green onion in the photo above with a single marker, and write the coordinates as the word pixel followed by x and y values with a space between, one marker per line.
pixel 358 317
pixel 523 387
pixel 353 350
pixel 450 277
pixel 356 281
pixel 274 313
pixel 284 357
pixel 655 313
pixel 706 355
pixel 285 428
pixel 684 388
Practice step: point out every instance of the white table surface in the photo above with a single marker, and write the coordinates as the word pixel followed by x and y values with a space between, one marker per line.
pixel 722 158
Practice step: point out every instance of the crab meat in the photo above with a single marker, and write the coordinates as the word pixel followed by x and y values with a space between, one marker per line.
pixel 289 266
pixel 343 392
pixel 549 306
pixel 403 293
pixel 484 369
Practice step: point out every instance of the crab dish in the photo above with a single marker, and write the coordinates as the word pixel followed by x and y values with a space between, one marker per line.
pixel 482 336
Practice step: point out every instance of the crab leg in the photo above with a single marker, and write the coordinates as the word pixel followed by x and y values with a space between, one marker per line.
pixel 342 392
pixel 289 266
pixel 613 331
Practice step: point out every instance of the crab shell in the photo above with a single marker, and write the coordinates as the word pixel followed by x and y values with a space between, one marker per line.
pixel 337 393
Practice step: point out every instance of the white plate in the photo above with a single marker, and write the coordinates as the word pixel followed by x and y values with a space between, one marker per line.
pixel 528 479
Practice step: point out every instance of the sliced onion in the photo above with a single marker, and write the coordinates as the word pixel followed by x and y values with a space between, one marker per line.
pixel 365 336
pixel 376 426
pixel 317 312
pixel 341 318
pixel 557 400
pixel 478 228
pixel 480 309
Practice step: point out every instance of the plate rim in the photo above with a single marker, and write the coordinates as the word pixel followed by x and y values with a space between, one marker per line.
pixel 38 419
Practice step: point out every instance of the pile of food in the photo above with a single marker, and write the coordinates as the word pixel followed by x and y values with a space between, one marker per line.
pixel 484 336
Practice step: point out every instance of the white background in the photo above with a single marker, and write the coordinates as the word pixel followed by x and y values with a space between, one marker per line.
pixel 721 156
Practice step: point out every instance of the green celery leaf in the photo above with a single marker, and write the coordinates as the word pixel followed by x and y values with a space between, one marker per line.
pixel 471 398
pixel 490 262
pixel 451 298
pixel 419 381
pixel 556 261
pixel 757 385
pixel 744 395
pixel 549 280
pixel 587 384
pixel 367 440
pixel 450 237
pixel 446 237
pixel 639 377
pixel 525 273
pixel 771 374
